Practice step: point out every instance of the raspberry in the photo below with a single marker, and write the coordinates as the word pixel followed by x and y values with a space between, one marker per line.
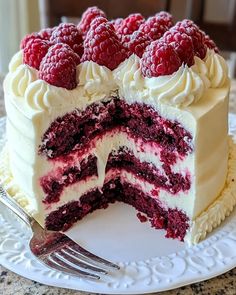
pixel 165 18
pixel 58 67
pixel 87 17
pixel 102 46
pixel 116 23
pixel 138 42
pixel 159 59
pixel 34 51
pixel 153 28
pixel 69 34
pixel 97 21
pixel 183 45
pixel 130 24
pixel 124 40
pixel 192 30
pixel 210 43
pixel 46 34
pixel 27 38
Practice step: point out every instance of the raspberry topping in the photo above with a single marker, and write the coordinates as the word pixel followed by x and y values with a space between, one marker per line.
pixel 87 17
pixel 102 46
pixel 183 45
pixel 69 34
pixel 187 26
pixel 153 28
pixel 130 24
pixel 165 18
pixel 27 38
pixel 98 20
pixel 159 59
pixel 46 33
pixel 58 67
pixel 210 43
pixel 138 43
pixel 34 51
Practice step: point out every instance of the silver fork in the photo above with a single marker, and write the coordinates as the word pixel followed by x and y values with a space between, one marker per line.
pixel 56 250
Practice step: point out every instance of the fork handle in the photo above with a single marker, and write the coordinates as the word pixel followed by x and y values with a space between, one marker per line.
pixel 15 207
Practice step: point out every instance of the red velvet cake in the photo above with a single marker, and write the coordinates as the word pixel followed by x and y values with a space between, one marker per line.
pixel 123 110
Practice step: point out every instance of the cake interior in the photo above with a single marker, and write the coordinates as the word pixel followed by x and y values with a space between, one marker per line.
pixel 74 134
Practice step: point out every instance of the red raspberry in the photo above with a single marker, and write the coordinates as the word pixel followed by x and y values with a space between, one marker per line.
pixel 29 37
pixel 58 67
pixel 87 17
pixel 187 26
pixel 159 59
pixel 102 46
pixel 165 18
pixel 97 21
pixel 117 23
pixel 34 51
pixel 46 34
pixel 130 24
pixel 69 34
pixel 153 28
pixel 124 40
pixel 138 43
pixel 210 43
pixel 183 45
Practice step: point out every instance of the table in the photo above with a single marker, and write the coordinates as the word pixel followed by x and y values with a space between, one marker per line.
pixel 11 283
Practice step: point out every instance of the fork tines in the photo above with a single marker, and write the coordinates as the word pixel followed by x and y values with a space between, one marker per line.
pixel 73 259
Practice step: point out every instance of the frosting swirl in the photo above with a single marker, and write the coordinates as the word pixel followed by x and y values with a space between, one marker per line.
pixel 217 69
pixel 97 81
pixel 201 69
pixel 40 96
pixel 129 78
pixel 21 78
pixel 182 88
pixel 16 61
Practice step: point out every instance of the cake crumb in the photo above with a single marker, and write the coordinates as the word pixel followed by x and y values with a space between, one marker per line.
pixel 141 217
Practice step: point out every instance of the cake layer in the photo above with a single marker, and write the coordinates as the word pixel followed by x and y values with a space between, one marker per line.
pixel 53 184
pixel 173 221
pixel 76 129
pixel 162 177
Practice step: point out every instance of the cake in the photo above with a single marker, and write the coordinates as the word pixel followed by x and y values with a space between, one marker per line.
pixel 128 110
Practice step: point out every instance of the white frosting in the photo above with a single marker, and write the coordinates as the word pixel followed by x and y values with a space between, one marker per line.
pixel 42 96
pixel 201 69
pixel 217 69
pixel 129 78
pixel 180 89
pixel 21 78
pixel 220 208
pixel 97 81
pixel 16 61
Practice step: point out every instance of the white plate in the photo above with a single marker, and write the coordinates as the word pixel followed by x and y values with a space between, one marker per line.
pixel 149 262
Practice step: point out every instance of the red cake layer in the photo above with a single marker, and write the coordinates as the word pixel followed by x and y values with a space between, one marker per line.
pixel 53 185
pixel 173 221
pixel 172 182
pixel 76 129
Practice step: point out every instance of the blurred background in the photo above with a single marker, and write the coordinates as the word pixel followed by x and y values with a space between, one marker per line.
pixel 19 17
